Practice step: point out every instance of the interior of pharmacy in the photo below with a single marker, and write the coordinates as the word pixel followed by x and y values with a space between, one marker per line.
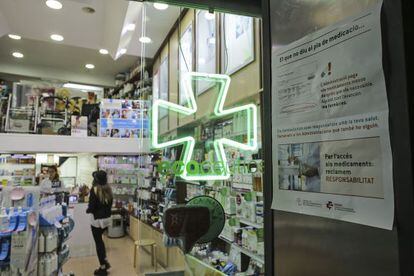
pixel 160 103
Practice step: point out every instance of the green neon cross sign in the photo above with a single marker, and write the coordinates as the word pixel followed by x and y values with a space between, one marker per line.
pixel 190 108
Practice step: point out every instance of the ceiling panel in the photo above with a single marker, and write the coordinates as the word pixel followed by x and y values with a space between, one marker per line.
pixel 84 34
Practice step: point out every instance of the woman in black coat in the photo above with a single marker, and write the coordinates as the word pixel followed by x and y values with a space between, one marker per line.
pixel 100 204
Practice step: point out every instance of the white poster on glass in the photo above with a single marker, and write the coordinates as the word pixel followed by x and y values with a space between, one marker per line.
pixel 185 58
pixel 206 47
pixel 238 42
pixel 332 155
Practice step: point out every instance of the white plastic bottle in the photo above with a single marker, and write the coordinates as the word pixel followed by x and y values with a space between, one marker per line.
pixel 53 262
pixel 41 243
pixel 4 220
pixel 51 241
pixel 41 266
pixel 48 264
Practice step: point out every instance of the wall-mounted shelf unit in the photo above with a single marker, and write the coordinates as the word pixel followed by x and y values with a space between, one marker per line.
pixel 32 143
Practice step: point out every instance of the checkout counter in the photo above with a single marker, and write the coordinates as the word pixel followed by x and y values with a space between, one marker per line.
pixel 81 243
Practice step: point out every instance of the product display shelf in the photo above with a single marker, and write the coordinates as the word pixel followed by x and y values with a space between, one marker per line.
pixel 246 252
pixel 33 143
pixel 250 223
pixel 136 87
pixel 202 266
pixel 52 240
pixel 124 174
pixel 132 79
pixel 17 170
pixel 127 184
pixel 242 190
pixel 152 227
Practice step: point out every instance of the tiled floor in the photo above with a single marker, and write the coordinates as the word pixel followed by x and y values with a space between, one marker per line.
pixel 120 255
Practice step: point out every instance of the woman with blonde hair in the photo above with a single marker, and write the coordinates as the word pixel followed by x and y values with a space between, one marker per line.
pixel 100 203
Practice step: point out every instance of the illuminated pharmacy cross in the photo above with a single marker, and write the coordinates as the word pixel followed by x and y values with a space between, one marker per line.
pixel 190 108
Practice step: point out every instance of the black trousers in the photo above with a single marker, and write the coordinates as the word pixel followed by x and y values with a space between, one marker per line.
pixel 100 246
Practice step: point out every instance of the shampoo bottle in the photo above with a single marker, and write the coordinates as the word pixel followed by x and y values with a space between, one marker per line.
pixel 41 243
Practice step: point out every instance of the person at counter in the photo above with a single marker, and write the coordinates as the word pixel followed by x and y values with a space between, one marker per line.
pixel 100 203
pixel 52 182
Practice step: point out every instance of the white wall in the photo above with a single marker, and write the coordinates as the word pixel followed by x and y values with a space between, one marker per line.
pixel 4 27
pixel 69 168
pixel 87 164
pixel 82 169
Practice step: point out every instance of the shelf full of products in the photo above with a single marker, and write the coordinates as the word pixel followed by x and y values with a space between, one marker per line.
pixel 133 85
pixel 34 228
pixel 124 173
pixel 17 170
pixel 240 247
pixel 54 232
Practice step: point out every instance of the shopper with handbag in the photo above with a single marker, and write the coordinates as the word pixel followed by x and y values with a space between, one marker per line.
pixel 100 203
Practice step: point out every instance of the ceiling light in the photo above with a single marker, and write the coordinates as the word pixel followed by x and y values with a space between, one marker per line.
pixel 160 6
pixel 123 51
pixel 209 15
pixel 103 51
pixel 145 39
pixel 15 36
pixel 130 27
pixel 54 4
pixel 56 37
pixel 89 66
pixel 82 87
pixel 18 55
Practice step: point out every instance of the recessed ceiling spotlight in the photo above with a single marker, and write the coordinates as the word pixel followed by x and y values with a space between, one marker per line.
pixel 89 10
pixel 54 4
pixel 103 51
pixel 15 36
pixel 89 66
pixel 17 55
pixel 160 6
pixel 209 15
pixel 130 27
pixel 145 39
pixel 56 37
pixel 123 51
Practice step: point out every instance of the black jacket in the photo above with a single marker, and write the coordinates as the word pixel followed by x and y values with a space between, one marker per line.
pixel 98 209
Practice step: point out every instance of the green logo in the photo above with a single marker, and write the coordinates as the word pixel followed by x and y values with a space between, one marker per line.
pixel 209 168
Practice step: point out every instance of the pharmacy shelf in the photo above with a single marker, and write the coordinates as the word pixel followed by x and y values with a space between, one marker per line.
pixel 126 184
pixel 250 223
pixel 252 255
pixel 32 143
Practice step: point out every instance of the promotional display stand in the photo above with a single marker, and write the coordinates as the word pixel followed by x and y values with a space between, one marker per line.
pixel 34 230
pixel 20 226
